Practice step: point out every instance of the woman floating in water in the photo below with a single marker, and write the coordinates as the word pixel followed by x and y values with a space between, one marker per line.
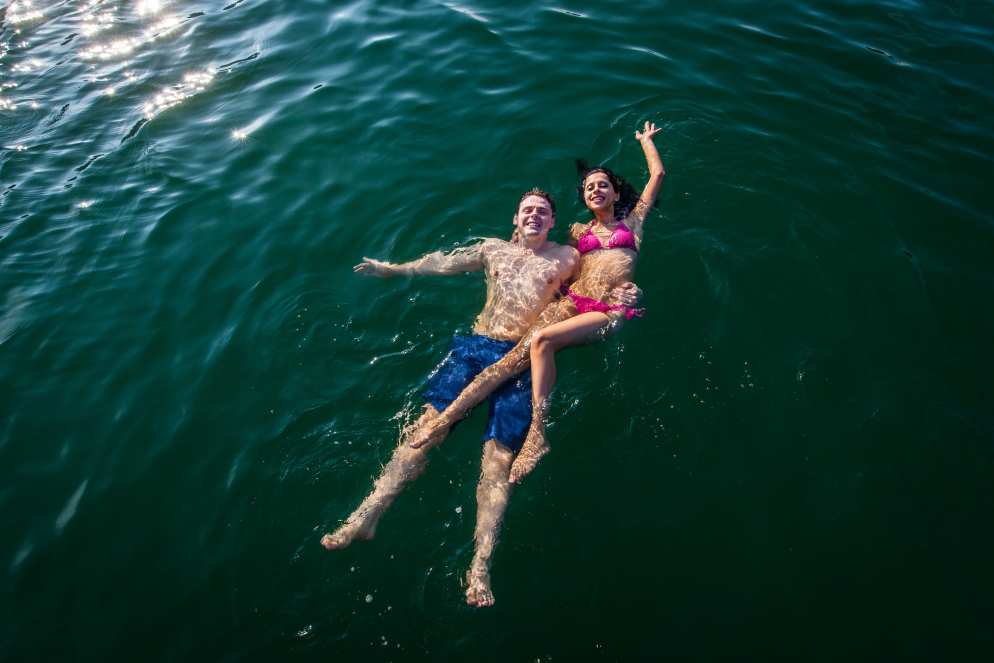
pixel 609 251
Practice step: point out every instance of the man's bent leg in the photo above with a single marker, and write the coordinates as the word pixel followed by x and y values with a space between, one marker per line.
pixel 405 466
pixel 492 495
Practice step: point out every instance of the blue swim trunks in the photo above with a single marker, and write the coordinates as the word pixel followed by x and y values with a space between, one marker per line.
pixel 510 403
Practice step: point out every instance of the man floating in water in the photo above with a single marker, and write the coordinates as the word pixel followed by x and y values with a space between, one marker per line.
pixel 522 278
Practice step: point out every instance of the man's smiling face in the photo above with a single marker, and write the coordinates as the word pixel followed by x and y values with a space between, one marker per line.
pixel 535 217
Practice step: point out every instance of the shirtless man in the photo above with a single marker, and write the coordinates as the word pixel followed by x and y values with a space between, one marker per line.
pixel 522 278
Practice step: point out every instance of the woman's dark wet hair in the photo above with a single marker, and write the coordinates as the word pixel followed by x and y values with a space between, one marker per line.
pixel 629 196
pixel 541 194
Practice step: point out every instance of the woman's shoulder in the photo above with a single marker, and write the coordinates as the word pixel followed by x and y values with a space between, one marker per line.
pixel 635 224
pixel 577 229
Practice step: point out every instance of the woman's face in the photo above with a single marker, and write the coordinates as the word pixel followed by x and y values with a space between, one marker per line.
pixel 598 193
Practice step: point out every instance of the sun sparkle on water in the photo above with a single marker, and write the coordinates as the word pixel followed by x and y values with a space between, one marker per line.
pixel 149 7
pixel 192 84
pixel 20 11
pixel 126 45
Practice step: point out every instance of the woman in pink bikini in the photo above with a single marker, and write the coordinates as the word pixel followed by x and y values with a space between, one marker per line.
pixel 609 251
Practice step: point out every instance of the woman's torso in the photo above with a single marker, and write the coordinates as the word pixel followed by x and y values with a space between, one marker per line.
pixel 604 268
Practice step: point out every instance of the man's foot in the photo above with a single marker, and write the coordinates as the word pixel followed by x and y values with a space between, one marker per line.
pixel 362 530
pixel 478 594
pixel 532 450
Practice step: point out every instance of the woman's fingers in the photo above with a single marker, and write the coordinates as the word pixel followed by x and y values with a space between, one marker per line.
pixel 650 131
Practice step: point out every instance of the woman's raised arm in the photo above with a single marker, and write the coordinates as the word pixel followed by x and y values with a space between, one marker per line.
pixel 656 173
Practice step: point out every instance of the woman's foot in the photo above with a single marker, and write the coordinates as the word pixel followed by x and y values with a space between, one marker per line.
pixel 532 450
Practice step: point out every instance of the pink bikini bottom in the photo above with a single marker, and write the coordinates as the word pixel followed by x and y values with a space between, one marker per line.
pixel 586 304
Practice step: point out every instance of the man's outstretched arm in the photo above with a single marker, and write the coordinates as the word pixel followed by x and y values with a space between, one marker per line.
pixel 468 259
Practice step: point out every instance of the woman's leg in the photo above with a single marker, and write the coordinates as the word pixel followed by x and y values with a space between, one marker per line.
pixel 584 329
pixel 493 376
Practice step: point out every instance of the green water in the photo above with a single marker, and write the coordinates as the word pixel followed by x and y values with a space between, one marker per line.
pixel 789 456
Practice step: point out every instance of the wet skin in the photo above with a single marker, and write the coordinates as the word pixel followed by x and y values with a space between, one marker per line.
pixel 522 278
pixel 560 326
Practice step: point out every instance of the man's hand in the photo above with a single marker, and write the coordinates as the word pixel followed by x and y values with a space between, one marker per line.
pixel 627 294
pixel 370 267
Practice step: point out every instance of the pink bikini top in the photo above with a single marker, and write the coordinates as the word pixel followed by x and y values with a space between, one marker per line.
pixel 621 238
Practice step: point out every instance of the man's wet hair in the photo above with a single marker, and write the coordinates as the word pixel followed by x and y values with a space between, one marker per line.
pixel 541 194
pixel 629 196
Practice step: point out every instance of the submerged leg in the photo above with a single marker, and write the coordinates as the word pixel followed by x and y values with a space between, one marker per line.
pixel 515 361
pixel 481 387
pixel 535 445
pixel 492 495
pixel 405 466
pixel 583 329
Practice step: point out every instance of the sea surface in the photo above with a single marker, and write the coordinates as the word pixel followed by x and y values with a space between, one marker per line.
pixel 788 458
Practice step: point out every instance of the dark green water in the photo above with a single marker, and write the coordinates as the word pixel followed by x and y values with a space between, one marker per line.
pixel 789 457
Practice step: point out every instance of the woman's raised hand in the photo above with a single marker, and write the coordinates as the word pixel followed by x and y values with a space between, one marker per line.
pixel 650 131
pixel 656 173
